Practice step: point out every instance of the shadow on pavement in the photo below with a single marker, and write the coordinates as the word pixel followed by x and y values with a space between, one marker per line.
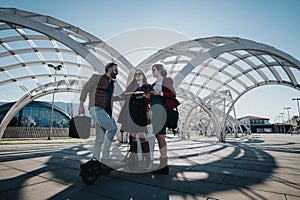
pixel 184 181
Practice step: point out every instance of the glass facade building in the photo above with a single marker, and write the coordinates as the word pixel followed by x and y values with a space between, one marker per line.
pixel 36 114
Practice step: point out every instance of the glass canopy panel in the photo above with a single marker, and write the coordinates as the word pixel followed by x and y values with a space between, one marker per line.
pixel 51 56
pixel 269 58
pixel 217 63
pixel 44 80
pixel 2 49
pixel 199 80
pixel 8 33
pixel 236 86
pixel 268 73
pixel 18 92
pixel 222 77
pixel 193 89
pixel 3 77
pixel 245 66
pixel 228 56
pixel 70 57
pixel 256 76
pixel 232 70
pixel 30 32
pixel 208 71
pixel 20 44
pixel 255 60
pixel 38 69
pixel 29 57
pixel 86 71
pixel 282 73
pixel 246 80
pixel 71 69
pixel 241 52
pixel 8 60
pixel 296 74
pixel 29 84
pixel 43 43
pixel 188 78
pixel 61 46
pixel 213 84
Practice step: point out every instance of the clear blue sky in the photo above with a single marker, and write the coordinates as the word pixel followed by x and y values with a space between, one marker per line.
pixel 272 22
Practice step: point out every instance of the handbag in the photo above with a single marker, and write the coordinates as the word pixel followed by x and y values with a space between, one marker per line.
pixel 172 118
pixel 79 127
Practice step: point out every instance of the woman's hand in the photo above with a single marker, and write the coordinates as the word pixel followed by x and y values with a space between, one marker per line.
pixel 147 95
pixel 155 92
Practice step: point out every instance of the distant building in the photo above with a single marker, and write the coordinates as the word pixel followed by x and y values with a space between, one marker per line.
pixel 257 124
pixel 36 114
pixel 262 125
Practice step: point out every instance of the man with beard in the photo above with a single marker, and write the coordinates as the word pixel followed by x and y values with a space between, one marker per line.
pixel 100 89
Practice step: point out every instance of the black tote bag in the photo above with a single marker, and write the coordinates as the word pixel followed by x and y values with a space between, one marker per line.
pixel 172 118
pixel 79 127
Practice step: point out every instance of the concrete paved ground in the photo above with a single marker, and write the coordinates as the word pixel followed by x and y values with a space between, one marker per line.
pixel 260 166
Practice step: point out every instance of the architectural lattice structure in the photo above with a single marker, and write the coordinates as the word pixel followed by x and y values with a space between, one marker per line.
pixel 210 74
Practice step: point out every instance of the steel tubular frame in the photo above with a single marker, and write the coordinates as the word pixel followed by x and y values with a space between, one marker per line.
pixel 209 73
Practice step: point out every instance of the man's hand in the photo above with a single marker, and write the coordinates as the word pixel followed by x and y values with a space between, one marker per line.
pixel 81 108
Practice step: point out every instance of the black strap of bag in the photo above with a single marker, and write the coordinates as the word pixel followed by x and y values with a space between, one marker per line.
pixel 172 118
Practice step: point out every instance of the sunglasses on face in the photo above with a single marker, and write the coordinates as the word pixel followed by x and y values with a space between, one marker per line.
pixel 138 74
pixel 153 69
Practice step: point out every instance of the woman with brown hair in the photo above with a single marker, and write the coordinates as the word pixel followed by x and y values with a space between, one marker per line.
pixel 133 118
pixel 162 96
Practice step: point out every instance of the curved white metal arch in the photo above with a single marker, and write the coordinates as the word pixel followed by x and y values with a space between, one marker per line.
pixel 211 49
pixel 80 43
pixel 14 18
pixel 248 89
pixel 62 32
pixel 242 45
pixel 213 117
pixel 215 59
pixel 187 119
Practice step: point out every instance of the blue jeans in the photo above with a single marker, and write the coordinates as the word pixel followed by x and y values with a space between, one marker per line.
pixel 106 129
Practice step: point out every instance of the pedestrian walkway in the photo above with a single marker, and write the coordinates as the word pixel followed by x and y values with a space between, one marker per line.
pixel 259 166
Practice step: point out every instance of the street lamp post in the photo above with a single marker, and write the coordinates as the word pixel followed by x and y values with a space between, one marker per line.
pixel 56 68
pixel 287 108
pixel 297 99
pixel 289 119
pixel 279 127
pixel 282 122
